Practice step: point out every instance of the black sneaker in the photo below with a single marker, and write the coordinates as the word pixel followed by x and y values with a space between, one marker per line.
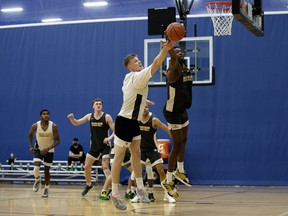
pixel 130 195
pixel 151 197
pixel 87 189
pixel 45 193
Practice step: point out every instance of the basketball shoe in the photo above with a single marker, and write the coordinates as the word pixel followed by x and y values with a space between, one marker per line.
pixel 170 188
pixel 142 196
pixel 45 193
pixel 87 189
pixel 118 203
pixel 135 199
pixel 36 185
pixel 151 197
pixel 168 198
pixel 130 195
pixel 104 195
pixel 182 177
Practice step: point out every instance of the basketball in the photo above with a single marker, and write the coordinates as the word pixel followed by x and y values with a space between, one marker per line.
pixel 175 31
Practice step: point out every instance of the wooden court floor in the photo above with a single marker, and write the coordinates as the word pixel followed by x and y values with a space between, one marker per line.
pixel 18 199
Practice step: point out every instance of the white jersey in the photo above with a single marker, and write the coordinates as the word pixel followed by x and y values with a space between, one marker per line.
pixel 44 139
pixel 135 92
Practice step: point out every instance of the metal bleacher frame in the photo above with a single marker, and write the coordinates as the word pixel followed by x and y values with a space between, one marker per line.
pixel 23 171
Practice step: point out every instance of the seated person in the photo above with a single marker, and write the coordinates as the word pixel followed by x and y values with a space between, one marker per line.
pixel 12 159
pixel 76 152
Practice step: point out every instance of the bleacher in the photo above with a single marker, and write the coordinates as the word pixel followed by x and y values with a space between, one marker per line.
pixel 22 171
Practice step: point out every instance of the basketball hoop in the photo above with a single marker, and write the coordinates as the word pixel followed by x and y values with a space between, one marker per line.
pixel 222 17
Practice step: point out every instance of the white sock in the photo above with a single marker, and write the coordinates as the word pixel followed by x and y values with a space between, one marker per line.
pixel 180 166
pixel 150 190
pixel 115 191
pixel 139 183
pixel 132 176
pixel 169 177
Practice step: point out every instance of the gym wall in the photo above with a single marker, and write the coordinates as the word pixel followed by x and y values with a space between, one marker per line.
pixel 238 127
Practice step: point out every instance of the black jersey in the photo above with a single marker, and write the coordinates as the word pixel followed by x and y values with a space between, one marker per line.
pixel 98 132
pixel 148 135
pixel 179 93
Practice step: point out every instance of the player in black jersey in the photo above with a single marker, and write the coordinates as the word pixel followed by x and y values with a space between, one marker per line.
pixel 130 192
pixel 100 123
pixel 179 99
pixel 150 155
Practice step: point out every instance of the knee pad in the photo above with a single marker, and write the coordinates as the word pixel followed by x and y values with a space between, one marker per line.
pixel 149 171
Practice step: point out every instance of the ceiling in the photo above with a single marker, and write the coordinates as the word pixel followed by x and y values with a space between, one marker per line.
pixel 73 10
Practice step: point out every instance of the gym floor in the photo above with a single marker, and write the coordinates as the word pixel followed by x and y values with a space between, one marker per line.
pixel 18 199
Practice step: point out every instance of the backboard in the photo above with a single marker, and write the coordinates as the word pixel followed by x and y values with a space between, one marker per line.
pixel 250 14
pixel 198 56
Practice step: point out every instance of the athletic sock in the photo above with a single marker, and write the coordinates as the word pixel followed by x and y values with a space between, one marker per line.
pixel 169 177
pixel 180 166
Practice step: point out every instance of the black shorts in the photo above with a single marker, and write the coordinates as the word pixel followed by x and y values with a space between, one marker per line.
pixel 47 159
pixel 153 156
pixel 99 153
pixel 175 120
pixel 125 131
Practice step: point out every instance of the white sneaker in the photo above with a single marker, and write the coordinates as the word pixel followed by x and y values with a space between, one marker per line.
pixel 118 203
pixel 136 199
pixel 36 185
pixel 142 195
pixel 168 198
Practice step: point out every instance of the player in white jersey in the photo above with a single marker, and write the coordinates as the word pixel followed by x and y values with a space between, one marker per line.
pixel 47 138
pixel 127 131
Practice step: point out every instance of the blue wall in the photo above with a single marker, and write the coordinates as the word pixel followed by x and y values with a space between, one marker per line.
pixel 238 131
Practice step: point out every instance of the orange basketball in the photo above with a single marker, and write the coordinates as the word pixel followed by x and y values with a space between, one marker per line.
pixel 175 31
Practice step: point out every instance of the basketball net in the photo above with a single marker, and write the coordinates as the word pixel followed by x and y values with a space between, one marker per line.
pixel 222 17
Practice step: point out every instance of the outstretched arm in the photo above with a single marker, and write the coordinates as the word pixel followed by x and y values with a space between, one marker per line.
pixel 166 46
pixel 175 68
pixel 80 121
